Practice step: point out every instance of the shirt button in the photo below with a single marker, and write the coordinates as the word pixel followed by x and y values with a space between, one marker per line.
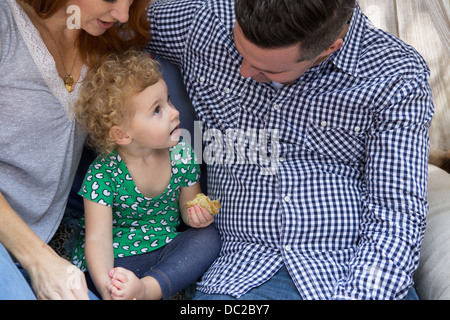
pixel 287 247
pixel 323 123
pixel 202 79
pixel 227 90
pixel 357 129
pixel 281 159
pixel 287 199
pixel 276 106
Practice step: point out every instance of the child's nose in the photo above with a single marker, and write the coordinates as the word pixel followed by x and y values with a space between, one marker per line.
pixel 175 113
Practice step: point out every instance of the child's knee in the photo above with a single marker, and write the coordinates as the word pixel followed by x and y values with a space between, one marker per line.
pixel 209 240
pixel 213 237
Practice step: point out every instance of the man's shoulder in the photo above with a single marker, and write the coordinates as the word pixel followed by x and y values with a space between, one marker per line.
pixel 223 10
pixel 384 55
pixel 217 7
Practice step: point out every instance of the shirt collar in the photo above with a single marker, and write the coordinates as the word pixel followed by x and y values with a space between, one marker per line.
pixel 347 57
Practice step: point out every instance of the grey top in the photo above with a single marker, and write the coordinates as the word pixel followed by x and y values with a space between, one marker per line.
pixel 40 144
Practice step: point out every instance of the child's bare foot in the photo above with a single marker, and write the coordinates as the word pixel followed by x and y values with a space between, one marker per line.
pixel 125 285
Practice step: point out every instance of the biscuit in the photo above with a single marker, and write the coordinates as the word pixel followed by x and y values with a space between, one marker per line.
pixel 203 201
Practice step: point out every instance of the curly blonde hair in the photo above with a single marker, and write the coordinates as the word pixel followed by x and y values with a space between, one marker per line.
pixel 106 88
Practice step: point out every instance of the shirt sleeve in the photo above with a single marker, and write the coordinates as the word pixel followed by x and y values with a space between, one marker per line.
pixel 170 26
pixel 98 184
pixel 394 198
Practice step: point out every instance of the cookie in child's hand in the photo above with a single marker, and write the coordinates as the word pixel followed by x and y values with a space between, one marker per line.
pixel 203 201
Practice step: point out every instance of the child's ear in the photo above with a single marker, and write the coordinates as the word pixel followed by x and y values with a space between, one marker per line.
pixel 119 135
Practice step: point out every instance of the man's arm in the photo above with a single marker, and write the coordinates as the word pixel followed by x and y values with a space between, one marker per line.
pixel 170 26
pixel 394 198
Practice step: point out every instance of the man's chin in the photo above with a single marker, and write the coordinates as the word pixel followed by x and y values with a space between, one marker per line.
pixel 261 79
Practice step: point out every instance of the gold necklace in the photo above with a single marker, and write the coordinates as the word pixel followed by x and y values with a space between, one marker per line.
pixel 68 79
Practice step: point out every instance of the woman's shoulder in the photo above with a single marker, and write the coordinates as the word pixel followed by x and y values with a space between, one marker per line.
pixel 6 16
pixel 5 9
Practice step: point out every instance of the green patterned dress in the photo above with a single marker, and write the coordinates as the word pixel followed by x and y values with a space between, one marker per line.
pixel 140 224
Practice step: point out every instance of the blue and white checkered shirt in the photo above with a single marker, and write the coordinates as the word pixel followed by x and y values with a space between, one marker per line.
pixel 327 176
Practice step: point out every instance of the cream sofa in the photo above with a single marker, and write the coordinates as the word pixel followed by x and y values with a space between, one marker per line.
pixel 433 276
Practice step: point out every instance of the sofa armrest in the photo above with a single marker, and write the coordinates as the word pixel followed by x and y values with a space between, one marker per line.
pixel 433 276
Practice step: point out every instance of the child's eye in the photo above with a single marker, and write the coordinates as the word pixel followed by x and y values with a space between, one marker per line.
pixel 157 110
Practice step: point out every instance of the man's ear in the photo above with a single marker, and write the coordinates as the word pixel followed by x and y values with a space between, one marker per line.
pixel 335 46
pixel 119 135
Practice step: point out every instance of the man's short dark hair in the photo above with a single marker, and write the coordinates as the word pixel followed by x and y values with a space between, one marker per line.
pixel 315 24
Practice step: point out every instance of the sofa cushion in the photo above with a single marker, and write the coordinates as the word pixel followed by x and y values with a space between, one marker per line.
pixel 433 276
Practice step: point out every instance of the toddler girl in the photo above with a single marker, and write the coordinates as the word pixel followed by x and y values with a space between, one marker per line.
pixel 137 189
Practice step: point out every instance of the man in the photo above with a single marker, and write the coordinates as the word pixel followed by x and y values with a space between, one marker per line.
pixel 316 140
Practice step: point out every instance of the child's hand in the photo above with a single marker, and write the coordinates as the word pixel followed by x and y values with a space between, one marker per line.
pixel 125 285
pixel 199 217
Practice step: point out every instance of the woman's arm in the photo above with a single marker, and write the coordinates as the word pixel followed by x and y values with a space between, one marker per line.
pixel 98 247
pixel 52 277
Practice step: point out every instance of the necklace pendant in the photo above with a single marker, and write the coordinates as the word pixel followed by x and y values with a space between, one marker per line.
pixel 68 81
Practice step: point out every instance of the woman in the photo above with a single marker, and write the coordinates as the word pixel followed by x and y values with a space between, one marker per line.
pixel 42 61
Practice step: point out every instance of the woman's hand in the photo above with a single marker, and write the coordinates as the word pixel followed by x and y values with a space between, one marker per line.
pixel 54 278
pixel 199 217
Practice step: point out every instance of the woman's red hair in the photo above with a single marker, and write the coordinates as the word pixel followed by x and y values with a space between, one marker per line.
pixel 133 34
